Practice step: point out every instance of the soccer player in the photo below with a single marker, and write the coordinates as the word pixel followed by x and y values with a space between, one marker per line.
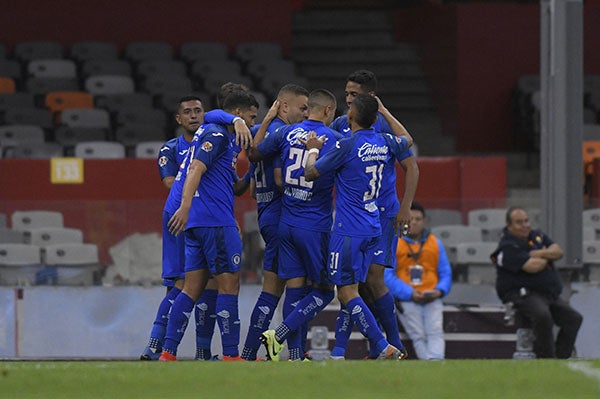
pixel 358 162
pixel 212 241
pixel 305 223
pixel 393 215
pixel 266 184
pixel 190 115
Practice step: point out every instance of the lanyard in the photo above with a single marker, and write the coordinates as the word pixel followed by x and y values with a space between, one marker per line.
pixel 414 255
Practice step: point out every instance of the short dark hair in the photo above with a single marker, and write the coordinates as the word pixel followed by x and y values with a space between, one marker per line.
pixel 365 110
pixel 365 78
pixel 186 99
pixel 228 88
pixel 294 89
pixel 321 97
pixel 415 206
pixel 239 99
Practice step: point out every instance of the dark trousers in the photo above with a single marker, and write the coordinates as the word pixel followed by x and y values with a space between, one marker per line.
pixel 543 313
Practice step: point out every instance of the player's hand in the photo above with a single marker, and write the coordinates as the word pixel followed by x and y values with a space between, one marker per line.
pixel 402 222
pixel 381 108
pixel 243 137
pixel 272 112
pixel 417 296
pixel 178 221
pixel 312 141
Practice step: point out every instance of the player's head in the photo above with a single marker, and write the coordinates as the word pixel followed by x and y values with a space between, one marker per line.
pixel 321 106
pixel 360 82
pixel 190 114
pixel 417 219
pixel 293 103
pixel 517 222
pixel 228 88
pixel 242 104
pixel 363 112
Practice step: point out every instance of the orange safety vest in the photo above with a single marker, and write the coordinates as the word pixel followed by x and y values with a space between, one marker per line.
pixel 428 259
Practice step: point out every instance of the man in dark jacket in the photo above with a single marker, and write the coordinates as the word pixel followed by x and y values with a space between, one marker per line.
pixel 526 276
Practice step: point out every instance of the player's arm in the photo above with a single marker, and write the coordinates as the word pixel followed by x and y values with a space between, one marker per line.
pixel 411 181
pixel 243 137
pixel 535 265
pixel 553 252
pixel 241 185
pixel 167 165
pixel 313 145
pixel 180 217
pixel 168 181
pixel 397 128
pixel 253 154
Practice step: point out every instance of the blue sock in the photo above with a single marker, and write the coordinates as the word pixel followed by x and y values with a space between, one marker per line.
pixel 229 323
pixel 304 312
pixel 293 296
pixel 365 321
pixel 259 321
pixel 385 311
pixel 205 313
pixel 181 310
pixel 343 329
pixel 304 327
pixel 159 328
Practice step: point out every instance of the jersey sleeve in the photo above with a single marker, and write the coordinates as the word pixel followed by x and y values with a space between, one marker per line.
pixel 167 162
pixel 210 146
pixel 334 157
pixel 218 116
pixel 399 147
pixel 271 145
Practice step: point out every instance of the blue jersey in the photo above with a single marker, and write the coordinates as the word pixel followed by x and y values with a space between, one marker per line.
pixel 358 161
pixel 212 204
pixel 388 198
pixel 268 195
pixel 305 204
pixel 171 155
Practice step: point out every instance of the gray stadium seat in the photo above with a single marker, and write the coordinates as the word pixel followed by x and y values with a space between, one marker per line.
pixel 270 84
pixel 452 235
pixel 487 219
pixel 75 263
pixel 114 102
pixel 109 84
pixel 196 51
pixel 92 50
pixel 19 264
pixel 35 151
pixel 29 116
pixel 52 68
pixel 16 100
pixel 588 233
pixel 3 220
pixel 105 67
pixel 86 117
pixel 142 51
pixel 170 99
pixel 43 86
pixel 13 135
pixel 10 236
pixel 213 83
pixel 99 150
pixel 139 114
pixel 27 220
pixel 68 136
pixel 206 68
pixel 248 51
pixel 259 68
pixel 44 236
pixel 475 256
pixel 591 218
pixel 439 217
pixel 158 84
pixel 35 50
pixel 131 134
pixel 10 69
pixel 148 149
pixel 159 67
pixel 591 259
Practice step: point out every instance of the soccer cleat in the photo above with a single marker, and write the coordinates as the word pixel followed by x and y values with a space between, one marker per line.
pixel 271 345
pixel 337 358
pixel 150 354
pixel 390 353
pixel 233 358
pixel 167 357
pixel 403 354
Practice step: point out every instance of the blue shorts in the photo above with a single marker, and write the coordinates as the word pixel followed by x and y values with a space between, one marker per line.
pixel 173 254
pixel 270 235
pixel 218 249
pixel 349 258
pixel 385 252
pixel 303 253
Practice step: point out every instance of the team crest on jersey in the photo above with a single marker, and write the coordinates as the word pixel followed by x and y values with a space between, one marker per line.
pixel 207 146
pixel 236 259
pixel 398 139
pixel 162 161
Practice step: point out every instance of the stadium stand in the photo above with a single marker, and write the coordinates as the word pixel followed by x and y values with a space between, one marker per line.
pixel 191 52
pixel 99 150
pixel 44 236
pixel 19 263
pixel 27 220
pixel 143 51
pixel 52 68
pixel 92 50
pixel 93 67
pixel 109 84
pixel 147 149
pixel 37 50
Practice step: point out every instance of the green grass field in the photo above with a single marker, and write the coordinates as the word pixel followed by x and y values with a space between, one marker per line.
pixel 464 379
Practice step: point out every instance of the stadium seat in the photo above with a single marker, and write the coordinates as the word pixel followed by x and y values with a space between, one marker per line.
pixel 43 86
pixel 14 135
pixel 591 218
pixel 139 114
pixel 99 150
pixel 270 84
pixel 92 50
pixel 105 67
pixel 142 51
pixel 52 68
pixel 27 220
pixel 452 235
pixel 10 69
pixel 86 117
pixel 487 219
pixel 36 50
pixel 248 51
pixel 10 236
pixel 109 84
pixel 3 220
pixel 131 134
pixel 158 84
pixel 158 67
pixel 191 52
pixel 29 116
pixel 7 85
pixel 591 260
pixel 148 149
pixel 36 151
pixel 213 83
pixel 58 101
pixel 204 69
pixel 19 264
pixel 44 236
pixel 114 102
pixel 74 263
pixel 588 233
pixel 259 68
pixel 16 100
pixel 475 256
pixel 169 100
pixel 68 136
pixel 439 217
